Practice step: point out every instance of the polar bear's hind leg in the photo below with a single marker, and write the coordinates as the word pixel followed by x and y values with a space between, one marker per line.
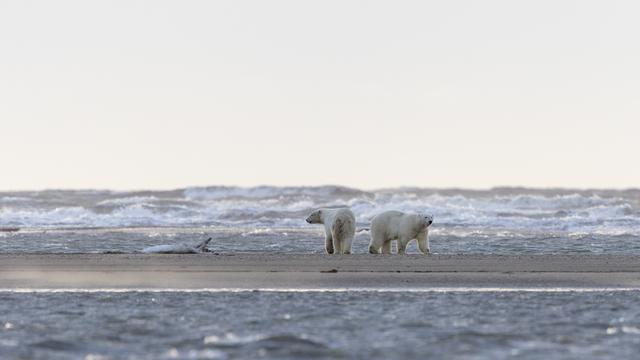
pixel 343 231
pixel 386 247
pixel 337 245
pixel 346 245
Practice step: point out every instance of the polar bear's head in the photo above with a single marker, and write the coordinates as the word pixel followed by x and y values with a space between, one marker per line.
pixel 315 217
pixel 426 220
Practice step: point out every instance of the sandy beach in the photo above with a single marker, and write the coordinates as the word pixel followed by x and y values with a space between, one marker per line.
pixel 316 272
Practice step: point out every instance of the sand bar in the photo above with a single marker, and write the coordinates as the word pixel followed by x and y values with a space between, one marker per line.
pixel 293 271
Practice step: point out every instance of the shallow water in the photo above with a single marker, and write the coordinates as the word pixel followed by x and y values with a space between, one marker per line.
pixel 293 325
pixel 498 221
pixel 280 325
pixel 300 240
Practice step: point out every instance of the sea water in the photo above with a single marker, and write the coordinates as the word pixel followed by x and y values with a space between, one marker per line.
pixel 320 325
pixel 203 324
pixel 271 219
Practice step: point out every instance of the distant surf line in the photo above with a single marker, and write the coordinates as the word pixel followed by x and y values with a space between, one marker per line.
pixel 438 290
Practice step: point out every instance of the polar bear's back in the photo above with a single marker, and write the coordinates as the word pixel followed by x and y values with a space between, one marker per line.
pixel 344 223
pixel 392 217
pixel 389 223
pixel 345 213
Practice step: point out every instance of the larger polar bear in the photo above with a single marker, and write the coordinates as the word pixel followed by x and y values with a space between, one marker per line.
pixel 396 225
pixel 339 228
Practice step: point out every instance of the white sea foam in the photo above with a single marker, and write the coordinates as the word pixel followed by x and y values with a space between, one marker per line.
pixel 488 212
pixel 128 200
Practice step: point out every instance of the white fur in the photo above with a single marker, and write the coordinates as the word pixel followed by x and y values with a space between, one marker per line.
pixel 339 228
pixel 396 225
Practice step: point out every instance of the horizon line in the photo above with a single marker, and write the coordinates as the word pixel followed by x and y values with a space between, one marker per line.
pixel 372 189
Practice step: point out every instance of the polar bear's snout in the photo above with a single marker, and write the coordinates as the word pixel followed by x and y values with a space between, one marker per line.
pixel 315 217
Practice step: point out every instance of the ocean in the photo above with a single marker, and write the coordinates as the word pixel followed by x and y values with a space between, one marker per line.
pixel 451 324
pixel 271 219
pixel 320 325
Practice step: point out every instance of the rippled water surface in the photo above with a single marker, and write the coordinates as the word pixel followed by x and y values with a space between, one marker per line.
pixel 294 325
pixel 365 325
pixel 498 221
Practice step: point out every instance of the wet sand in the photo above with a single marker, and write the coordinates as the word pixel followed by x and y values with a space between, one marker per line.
pixel 317 272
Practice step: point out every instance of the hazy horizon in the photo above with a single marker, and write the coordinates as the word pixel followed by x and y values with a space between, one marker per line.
pixel 435 188
pixel 164 95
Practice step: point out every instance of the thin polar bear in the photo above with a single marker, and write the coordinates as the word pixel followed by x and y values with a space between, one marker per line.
pixel 339 228
pixel 404 227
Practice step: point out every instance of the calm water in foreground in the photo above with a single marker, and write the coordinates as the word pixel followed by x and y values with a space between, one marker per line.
pixel 280 325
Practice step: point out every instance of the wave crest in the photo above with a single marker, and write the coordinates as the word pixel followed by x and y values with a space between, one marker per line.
pixel 490 211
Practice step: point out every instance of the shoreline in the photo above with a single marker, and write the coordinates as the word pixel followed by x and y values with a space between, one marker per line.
pixel 309 272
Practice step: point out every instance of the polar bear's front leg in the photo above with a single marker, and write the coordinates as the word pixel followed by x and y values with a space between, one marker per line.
pixel 423 242
pixel 328 244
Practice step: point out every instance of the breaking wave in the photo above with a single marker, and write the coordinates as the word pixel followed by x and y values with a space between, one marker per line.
pixel 605 212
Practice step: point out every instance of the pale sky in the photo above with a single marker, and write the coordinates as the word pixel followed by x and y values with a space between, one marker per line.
pixel 166 94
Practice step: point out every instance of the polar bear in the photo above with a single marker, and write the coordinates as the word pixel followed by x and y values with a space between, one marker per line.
pixel 404 227
pixel 339 228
